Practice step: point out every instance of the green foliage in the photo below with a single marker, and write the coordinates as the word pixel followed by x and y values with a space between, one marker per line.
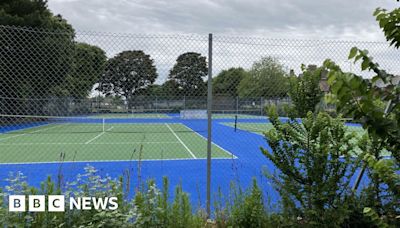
pixel 375 103
pixel 150 207
pixel 88 66
pixel 128 74
pixel 25 49
pixel 305 90
pixel 374 217
pixel 188 73
pixel 267 78
pixel 363 102
pixel 242 208
pixel 30 14
pixel 315 162
pixel 226 83
pixel 389 23
pixel 359 98
pixel 248 209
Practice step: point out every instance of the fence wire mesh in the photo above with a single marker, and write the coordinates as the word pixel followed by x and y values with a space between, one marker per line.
pixel 137 104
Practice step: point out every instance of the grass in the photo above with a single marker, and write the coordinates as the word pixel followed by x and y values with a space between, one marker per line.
pixel 88 142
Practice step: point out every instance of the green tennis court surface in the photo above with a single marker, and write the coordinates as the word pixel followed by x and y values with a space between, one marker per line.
pixel 132 115
pixel 239 116
pixel 111 142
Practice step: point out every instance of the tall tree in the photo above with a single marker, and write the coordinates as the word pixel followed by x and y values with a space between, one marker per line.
pixel 188 73
pixel 267 78
pixel 127 75
pixel 227 82
pixel 88 66
pixel 35 60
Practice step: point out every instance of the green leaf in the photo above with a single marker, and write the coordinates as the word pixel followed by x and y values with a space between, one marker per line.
pixel 331 78
pixel 367 210
pixel 353 52
pixel 365 64
pixel 354 83
pixel 357 58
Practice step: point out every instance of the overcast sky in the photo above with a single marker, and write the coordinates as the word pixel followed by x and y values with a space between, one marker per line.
pixel 333 19
pixel 290 19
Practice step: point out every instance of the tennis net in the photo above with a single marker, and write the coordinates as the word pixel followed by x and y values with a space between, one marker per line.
pixel 20 124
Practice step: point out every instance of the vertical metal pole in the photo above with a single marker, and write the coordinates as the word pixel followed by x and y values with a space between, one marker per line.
pixel 261 106
pixel 209 107
pixel 156 104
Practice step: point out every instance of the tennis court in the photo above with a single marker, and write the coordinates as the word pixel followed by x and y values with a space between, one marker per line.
pixel 87 139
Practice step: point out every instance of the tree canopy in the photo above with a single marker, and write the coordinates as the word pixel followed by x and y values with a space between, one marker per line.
pixel 128 74
pixel 88 66
pixel 227 82
pixel 47 55
pixel 266 78
pixel 189 72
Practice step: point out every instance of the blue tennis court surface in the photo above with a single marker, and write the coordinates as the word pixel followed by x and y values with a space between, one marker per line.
pixel 236 157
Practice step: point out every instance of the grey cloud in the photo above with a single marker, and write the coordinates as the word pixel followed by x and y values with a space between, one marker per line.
pixel 273 18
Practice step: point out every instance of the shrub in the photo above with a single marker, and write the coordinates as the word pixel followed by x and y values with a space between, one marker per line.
pixel 315 161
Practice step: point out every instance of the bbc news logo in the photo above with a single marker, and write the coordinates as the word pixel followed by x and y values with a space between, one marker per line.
pixel 56 203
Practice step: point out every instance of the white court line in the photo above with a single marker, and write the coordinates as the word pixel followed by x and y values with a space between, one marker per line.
pixel 120 143
pixel 98 136
pixel 226 151
pixel 191 153
pixel 45 129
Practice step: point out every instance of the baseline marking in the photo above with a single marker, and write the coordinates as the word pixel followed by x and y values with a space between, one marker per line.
pixel 187 148
pixel 118 143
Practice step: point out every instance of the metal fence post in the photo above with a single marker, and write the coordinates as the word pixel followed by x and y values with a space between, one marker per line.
pixel 261 105
pixel 209 107
pixel 156 104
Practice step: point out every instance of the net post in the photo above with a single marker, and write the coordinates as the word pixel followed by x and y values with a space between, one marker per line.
pixel 104 125
pixel 236 118
pixel 209 107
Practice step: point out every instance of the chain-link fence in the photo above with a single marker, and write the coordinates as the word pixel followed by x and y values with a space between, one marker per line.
pixel 136 105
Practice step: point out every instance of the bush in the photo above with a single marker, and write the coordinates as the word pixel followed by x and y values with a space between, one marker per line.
pixel 315 163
